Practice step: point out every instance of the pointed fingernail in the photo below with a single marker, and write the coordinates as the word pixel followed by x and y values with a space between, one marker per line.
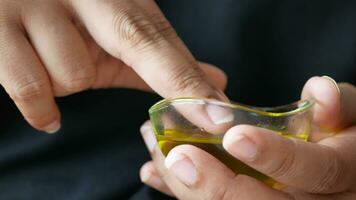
pixel 182 167
pixel 149 138
pixel 52 127
pixel 219 115
pixel 241 147
pixel 333 81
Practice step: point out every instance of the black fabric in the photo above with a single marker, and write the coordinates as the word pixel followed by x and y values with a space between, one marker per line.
pixel 268 48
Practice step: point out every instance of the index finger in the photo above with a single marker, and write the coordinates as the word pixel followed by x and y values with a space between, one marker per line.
pixel 124 31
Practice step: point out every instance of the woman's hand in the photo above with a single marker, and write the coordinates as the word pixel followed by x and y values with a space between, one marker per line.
pixel 52 48
pixel 322 170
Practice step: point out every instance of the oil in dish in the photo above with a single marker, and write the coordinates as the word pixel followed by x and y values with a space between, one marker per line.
pixel 174 137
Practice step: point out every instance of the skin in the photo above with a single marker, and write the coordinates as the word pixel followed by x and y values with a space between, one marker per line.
pixel 321 169
pixel 56 48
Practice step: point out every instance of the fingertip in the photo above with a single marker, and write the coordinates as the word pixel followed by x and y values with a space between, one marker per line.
pixel 331 80
pixel 231 135
pixel 50 127
pixel 145 126
pixel 250 143
pixel 187 152
pixel 48 121
pixel 323 89
pixel 308 86
pixel 325 92
pixel 244 130
pixel 53 127
pixel 188 164
pixel 146 171
pixel 150 177
pixel 240 141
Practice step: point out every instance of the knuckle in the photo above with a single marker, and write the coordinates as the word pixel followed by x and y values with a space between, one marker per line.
pixel 164 27
pixel 79 79
pixel 133 27
pixel 28 90
pixel 185 78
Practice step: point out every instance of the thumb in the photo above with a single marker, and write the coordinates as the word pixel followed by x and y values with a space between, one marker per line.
pixel 315 168
pixel 334 109
pixel 205 177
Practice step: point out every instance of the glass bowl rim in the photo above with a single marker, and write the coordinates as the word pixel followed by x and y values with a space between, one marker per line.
pixel 303 105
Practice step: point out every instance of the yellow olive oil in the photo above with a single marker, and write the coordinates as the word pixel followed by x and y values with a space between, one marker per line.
pixel 173 137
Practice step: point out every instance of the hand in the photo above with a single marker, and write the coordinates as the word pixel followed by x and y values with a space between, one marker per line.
pixel 55 48
pixel 324 169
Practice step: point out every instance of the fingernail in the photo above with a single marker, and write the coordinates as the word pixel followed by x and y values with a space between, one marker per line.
pixel 219 114
pixel 53 127
pixel 182 167
pixel 241 147
pixel 333 81
pixel 149 138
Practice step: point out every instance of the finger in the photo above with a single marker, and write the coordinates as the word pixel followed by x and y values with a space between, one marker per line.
pixel 163 26
pixel 158 19
pixel 114 73
pixel 334 107
pixel 157 61
pixel 315 168
pixel 125 32
pixel 150 176
pixel 344 145
pixel 192 179
pixel 26 81
pixel 207 116
pixel 60 47
pixel 64 53
pixel 189 165
pixel 158 158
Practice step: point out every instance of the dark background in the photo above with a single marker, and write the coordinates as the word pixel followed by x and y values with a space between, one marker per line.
pixel 268 49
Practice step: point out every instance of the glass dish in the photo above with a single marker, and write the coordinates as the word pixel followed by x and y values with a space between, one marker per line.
pixel 203 123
